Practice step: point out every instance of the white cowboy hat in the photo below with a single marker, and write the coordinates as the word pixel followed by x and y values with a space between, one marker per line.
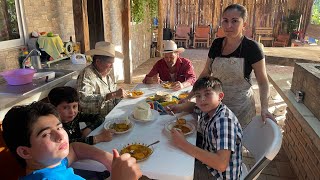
pixel 103 48
pixel 171 46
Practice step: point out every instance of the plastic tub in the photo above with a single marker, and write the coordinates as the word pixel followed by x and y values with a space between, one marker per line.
pixel 18 76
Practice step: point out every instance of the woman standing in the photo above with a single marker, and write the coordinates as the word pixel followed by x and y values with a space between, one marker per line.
pixel 232 59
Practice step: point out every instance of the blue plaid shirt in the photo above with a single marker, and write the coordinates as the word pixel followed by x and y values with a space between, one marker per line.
pixel 222 131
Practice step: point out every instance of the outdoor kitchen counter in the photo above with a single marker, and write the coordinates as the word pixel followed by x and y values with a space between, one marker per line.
pixel 281 79
pixel 9 100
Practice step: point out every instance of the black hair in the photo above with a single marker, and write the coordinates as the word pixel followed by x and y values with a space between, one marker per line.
pixel 208 82
pixel 240 8
pixel 62 94
pixel 18 125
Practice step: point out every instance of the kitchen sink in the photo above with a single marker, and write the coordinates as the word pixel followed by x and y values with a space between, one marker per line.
pixel 42 80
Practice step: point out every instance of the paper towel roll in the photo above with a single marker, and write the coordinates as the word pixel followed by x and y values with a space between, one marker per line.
pixel 68 48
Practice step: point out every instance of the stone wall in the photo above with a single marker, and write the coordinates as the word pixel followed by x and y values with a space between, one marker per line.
pixel 306 78
pixel 302 146
pixel 42 15
pixel 141 42
pixel 50 16
pixel 57 16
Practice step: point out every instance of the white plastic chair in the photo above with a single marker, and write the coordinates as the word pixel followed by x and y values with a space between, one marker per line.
pixel 263 141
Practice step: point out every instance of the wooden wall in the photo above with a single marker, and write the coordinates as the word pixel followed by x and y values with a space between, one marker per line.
pixel 261 13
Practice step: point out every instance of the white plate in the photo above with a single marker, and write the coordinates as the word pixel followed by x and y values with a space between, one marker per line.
pixel 154 116
pixel 168 126
pixel 108 124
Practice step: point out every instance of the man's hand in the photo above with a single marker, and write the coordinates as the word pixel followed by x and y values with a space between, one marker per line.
pixel 177 85
pixel 124 167
pixel 153 80
pixel 104 136
pixel 120 93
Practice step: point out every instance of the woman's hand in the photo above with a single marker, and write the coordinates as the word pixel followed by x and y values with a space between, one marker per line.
pixel 266 114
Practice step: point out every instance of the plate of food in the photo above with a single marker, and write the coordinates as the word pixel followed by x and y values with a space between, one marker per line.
pixel 135 94
pixel 120 125
pixel 181 124
pixel 167 85
pixel 183 95
pixel 139 151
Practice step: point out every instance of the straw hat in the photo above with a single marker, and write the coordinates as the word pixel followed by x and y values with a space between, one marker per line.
pixel 171 46
pixel 103 48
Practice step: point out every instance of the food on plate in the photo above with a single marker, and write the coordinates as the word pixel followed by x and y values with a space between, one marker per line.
pixel 183 128
pixel 142 111
pixel 50 34
pixel 120 127
pixel 162 96
pixel 167 85
pixel 181 121
pixel 135 94
pixel 183 95
pixel 138 151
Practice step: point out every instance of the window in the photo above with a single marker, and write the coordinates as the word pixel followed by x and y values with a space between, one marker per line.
pixel 11 29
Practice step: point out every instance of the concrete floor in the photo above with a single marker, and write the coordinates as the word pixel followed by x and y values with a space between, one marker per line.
pixel 279 168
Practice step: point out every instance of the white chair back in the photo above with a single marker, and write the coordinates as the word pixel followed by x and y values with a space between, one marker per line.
pixel 263 141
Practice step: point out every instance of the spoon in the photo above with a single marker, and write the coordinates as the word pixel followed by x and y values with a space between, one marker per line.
pixel 172 113
pixel 132 151
pixel 153 143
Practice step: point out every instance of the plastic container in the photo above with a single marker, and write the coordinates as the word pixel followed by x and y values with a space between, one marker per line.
pixel 18 76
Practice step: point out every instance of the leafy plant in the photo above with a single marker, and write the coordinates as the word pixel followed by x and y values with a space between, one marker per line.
pixel 293 21
pixel 315 16
pixel 139 9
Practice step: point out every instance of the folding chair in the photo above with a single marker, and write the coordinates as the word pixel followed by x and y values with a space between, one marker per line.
pixel 263 141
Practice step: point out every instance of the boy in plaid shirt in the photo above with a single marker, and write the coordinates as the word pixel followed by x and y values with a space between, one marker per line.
pixel 219 129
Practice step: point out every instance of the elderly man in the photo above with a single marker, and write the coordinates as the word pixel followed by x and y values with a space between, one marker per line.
pixel 172 68
pixel 97 90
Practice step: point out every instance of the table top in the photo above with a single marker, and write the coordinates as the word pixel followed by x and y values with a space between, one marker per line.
pixel 167 161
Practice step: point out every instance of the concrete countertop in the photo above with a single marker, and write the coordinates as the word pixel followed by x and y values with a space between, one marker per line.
pixel 281 78
pixel 8 101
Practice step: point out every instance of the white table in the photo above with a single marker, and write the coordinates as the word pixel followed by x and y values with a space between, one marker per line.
pixel 167 162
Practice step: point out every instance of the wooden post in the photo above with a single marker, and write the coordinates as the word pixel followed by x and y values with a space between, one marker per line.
pixel 81 26
pixel 127 61
pixel 172 24
pixel 160 28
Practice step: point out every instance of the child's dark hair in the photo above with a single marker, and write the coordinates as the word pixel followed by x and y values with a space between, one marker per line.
pixel 208 82
pixel 62 94
pixel 18 123
pixel 240 8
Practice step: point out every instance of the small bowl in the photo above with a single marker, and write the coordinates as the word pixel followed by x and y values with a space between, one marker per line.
pixel 116 122
pixel 18 76
pixel 168 126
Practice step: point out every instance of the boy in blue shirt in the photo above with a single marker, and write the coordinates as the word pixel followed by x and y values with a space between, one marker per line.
pixel 219 129
pixel 35 136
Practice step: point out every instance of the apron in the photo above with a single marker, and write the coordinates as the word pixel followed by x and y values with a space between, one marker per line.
pixel 238 92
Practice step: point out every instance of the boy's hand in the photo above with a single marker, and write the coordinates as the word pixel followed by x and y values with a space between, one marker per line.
pixel 124 167
pixel 174 108
pixel 104 136
pixel 178 138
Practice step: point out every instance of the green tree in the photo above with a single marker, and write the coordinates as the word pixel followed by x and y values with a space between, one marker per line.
pixel 315 16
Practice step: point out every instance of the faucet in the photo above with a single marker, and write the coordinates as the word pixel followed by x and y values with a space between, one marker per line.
pixel 35 60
